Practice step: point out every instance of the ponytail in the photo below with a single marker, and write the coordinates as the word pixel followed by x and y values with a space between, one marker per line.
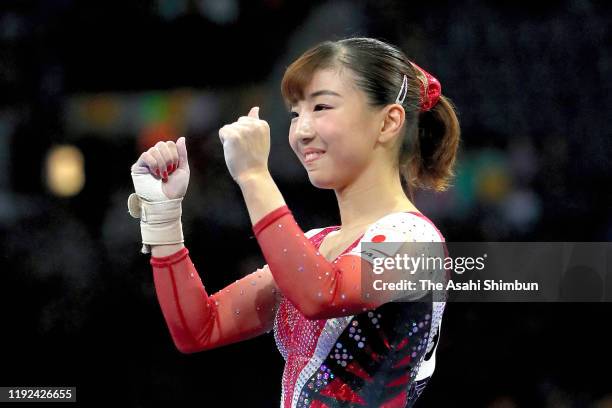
pixel 430 161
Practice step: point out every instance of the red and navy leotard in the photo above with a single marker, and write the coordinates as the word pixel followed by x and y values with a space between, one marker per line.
pixel 339 349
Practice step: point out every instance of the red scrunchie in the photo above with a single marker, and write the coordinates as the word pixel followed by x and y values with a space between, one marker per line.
pixel 431 89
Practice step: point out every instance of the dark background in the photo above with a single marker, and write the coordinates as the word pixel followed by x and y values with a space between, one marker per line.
pixel 531 81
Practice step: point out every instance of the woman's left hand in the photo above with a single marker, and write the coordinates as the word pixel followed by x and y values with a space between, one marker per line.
pixel 246 146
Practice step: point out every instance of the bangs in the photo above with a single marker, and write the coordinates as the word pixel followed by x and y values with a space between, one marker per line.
pixel 299 74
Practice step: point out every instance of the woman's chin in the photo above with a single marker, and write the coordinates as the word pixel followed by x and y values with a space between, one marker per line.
pixel 320 182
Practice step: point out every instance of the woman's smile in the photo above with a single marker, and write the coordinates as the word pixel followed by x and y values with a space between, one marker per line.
pixel 311 155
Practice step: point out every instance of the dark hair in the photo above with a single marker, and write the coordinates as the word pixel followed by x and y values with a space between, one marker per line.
pixel 429 147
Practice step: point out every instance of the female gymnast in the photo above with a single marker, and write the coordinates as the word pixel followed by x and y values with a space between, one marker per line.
pixel 370 124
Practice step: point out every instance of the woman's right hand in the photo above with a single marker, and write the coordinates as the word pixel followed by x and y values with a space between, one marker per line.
pixel 162 172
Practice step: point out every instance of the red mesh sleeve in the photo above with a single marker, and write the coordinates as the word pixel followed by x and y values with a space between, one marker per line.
pixel 198 321
pixel 318 288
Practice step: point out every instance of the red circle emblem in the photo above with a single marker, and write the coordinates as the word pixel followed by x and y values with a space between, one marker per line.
pixel 378 238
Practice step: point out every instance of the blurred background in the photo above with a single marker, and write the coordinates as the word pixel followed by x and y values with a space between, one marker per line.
pixel 86 86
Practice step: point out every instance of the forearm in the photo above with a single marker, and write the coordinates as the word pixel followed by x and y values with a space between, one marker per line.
pixel 183 300
pixel 198 321
pixel 261 195
pixel 160 251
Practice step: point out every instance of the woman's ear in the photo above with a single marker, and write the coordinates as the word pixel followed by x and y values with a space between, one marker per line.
pixel 392 121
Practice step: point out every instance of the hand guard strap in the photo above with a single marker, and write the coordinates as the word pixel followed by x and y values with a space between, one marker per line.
pixel 160 222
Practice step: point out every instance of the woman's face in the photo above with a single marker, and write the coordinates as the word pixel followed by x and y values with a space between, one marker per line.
pixel 333 130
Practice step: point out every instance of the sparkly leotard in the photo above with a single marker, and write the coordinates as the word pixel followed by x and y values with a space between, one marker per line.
pixel 339 351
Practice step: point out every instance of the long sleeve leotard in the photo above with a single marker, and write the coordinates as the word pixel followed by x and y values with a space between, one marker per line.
pixel 341 348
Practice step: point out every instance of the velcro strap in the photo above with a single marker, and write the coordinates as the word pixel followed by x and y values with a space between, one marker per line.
pixel 160 222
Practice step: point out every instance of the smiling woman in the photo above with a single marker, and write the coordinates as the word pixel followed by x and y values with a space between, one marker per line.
pixel 364 119
pixel 333 129
pixel 357 78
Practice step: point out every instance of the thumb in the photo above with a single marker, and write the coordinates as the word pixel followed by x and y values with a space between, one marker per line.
pixel 254 112
pixel 182 152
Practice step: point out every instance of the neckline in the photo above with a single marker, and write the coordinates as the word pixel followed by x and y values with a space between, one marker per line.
pixel 418 214
pixel 325 231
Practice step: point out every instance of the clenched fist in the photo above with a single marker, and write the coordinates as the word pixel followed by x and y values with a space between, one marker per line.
pixel 160 176
pixel 162 172
pixel 246 145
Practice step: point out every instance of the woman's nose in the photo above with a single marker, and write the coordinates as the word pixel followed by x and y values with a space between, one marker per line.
pixel 304 129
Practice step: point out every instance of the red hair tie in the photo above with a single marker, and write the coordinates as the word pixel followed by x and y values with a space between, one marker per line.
pixel 431 89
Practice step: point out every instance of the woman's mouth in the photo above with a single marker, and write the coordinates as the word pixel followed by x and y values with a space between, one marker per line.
pixel 312 156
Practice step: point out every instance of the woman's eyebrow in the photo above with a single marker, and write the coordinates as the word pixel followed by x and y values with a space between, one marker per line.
pixel 318 93
pixel 324 92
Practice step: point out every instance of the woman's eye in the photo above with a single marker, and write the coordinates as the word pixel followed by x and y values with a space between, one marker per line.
pixel 293 115
pixel 321 107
